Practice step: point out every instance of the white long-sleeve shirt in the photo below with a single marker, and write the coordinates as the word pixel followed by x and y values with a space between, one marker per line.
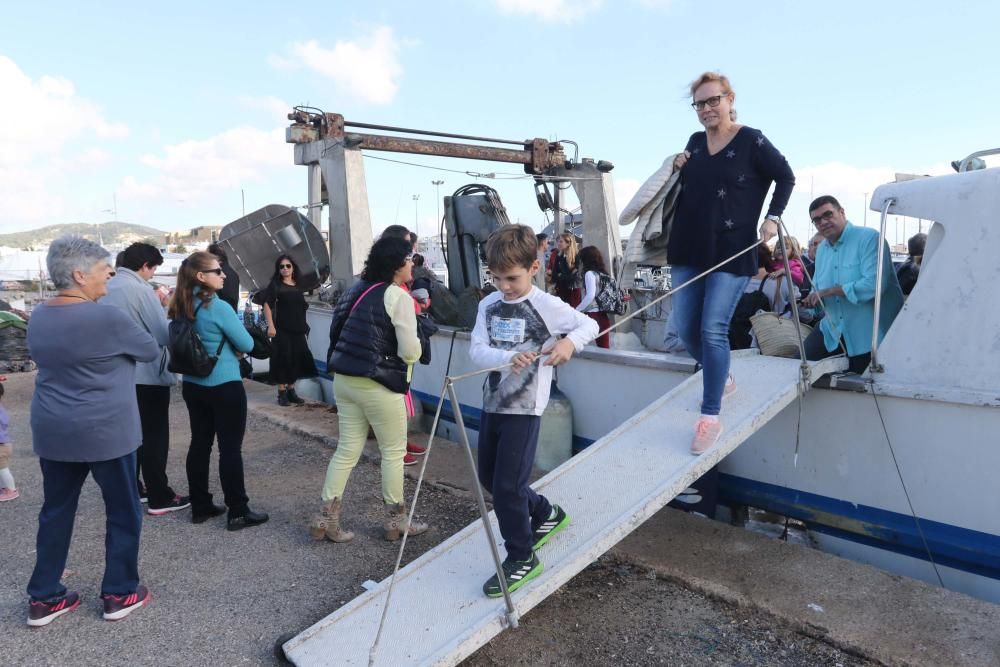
pixel 529 324
pixel 591 283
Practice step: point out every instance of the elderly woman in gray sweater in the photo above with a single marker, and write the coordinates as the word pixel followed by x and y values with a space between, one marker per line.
pixel 84 421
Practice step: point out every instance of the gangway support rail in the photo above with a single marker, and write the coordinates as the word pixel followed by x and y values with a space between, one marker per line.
pixel 438 613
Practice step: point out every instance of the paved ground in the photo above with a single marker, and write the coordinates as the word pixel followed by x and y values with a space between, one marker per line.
pixel 223 598
pixel 218 597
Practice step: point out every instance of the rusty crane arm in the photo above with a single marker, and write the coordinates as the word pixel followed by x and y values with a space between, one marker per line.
pixel 537 155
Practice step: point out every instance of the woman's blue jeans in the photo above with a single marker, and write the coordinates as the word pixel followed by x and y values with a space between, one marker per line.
pixel 703 310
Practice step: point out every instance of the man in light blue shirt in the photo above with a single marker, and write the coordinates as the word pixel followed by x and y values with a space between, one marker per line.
pixel 130 291
pixel 844 280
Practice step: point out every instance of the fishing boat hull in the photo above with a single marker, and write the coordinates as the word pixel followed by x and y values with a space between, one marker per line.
pixel 912 497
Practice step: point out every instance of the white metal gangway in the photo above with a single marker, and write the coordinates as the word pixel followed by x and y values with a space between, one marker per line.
pixel 439 615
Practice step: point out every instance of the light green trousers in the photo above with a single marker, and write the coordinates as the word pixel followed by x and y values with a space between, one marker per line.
pixel 362 402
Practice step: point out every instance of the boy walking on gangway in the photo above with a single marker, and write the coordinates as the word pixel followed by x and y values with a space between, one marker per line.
pixel 516 325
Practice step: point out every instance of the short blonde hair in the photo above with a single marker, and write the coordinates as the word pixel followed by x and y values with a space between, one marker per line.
pixel 511 246
pixel 717 77
pixel 709 77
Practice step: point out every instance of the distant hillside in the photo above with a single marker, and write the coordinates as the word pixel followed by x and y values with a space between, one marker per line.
pixel 106 232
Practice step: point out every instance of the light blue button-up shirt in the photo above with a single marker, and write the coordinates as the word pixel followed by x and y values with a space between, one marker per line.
pixel 850 263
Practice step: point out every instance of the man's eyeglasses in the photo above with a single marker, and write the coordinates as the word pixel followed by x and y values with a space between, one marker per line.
pixel 284 266
pixel 823 217
pixel 408 258
pixel 712 102
pixel 217 272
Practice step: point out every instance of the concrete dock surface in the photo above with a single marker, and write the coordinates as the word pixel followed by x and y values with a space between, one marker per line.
pixel 679 590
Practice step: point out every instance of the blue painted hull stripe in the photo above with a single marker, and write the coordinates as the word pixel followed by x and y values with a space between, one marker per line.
pixel 960 548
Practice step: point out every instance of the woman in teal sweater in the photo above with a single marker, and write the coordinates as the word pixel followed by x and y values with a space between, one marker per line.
pixel 217 404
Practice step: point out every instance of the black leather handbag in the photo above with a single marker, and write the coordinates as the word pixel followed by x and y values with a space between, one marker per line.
pixel 261 343
pixel 187 353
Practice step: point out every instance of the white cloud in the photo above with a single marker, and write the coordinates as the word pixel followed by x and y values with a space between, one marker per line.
pixel 843 181
pixel 39 117
pixel 848 183
pixel 852 186
pixel 367 68
pixel 43 123
pixel 195 170
pixel 563 11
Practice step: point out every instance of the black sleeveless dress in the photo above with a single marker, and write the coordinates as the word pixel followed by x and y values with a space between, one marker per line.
pixel 291 359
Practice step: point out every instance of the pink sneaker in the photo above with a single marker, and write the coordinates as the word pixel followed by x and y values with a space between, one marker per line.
pixel 706 434
pixel 730 387
pixel 9 494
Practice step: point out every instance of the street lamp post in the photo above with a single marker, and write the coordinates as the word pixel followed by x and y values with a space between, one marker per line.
pixel 437 186
pixel 416 218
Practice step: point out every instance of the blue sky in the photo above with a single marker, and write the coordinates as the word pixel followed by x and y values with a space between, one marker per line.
pixel 175 108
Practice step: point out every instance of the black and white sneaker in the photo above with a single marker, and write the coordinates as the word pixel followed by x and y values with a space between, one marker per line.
pixel 517 573
pixel 549 527
pixel 178 503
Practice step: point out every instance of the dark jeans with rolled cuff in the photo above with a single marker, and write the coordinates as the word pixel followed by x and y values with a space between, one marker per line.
pixel 61 483
pixel 815 348
pixel 216 412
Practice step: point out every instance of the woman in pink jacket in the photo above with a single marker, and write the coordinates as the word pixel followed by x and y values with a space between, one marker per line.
pixel 777 266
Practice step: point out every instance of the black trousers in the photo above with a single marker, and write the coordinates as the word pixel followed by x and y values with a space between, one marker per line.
pixel 507 445
pixel 217 412
pixel 816 350
pixel 154 414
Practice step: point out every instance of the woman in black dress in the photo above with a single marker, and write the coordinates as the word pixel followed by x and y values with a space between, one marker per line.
pixel 285 312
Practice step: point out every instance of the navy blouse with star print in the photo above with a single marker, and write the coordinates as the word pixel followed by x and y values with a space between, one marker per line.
pixel 719 207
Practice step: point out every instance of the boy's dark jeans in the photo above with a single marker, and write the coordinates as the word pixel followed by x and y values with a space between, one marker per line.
pixel 507 446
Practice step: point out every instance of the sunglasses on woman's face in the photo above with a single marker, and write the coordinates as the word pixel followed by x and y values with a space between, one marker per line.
pixel 284 266
pixel 217 272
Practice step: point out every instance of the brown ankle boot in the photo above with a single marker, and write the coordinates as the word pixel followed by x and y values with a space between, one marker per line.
pixel 395 523
pixel 326 524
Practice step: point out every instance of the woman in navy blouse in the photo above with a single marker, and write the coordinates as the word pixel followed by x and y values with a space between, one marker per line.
pixel 726 172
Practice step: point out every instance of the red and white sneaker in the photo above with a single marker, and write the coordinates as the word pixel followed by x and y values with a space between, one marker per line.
pixel 117 607
pixel 7 495
pixel 409 459
pixel 43 613
pixel 416 450
pixel 706 434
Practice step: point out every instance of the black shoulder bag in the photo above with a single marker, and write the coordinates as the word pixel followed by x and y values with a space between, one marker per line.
pixel 187 352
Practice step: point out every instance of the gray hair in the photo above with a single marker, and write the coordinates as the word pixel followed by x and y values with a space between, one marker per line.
pixel 72 253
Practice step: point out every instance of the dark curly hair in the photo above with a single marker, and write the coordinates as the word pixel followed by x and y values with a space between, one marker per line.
pixel 276 278
pixel 387 256
pixel 592 259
